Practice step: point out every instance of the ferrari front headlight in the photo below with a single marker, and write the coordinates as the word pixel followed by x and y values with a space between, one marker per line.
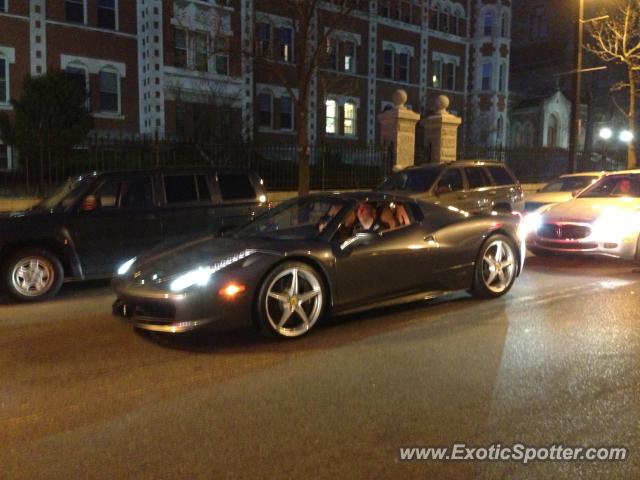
pixel 201 276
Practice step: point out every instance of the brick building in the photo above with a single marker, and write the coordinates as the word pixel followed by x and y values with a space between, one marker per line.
pixel 179 68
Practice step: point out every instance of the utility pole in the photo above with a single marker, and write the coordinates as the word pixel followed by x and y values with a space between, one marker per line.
pixel 577 87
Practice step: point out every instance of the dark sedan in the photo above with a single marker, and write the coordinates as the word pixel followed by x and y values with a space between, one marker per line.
pixel 318 255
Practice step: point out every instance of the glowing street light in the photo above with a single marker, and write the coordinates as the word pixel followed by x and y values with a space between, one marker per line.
pixel 626 136
pixel 606 133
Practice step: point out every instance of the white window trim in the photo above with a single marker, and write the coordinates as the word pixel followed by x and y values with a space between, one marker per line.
pixel 118 113
pixel 393 64
pixel 397 48
pixel 445 58
pixel 266 91
pixel 95 65
pixel 81 66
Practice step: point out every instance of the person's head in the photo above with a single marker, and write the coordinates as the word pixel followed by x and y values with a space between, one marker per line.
pixel 366 213
pixel 624 186
pixel 386 215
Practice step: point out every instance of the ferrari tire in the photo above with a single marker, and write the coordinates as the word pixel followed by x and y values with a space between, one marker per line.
pixel 32 274
pixel 291 301
pixel 496 267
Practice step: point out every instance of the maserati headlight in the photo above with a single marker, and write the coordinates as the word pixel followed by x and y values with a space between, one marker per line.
pixel 531 223
pixel 126 266
pixel 614 226
pixel 201 276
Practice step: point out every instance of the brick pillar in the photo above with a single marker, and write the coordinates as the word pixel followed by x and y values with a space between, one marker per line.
pixel 441 132
pixel 398 128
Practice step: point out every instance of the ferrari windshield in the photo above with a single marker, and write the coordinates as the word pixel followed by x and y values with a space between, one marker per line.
pixel 296 219
pixel 569 184
pixel 618 185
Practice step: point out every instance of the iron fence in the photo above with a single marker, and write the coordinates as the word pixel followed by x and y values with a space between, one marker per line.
pixel 331 166
pixel 533 165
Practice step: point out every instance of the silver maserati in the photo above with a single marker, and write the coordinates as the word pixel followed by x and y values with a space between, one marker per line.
pixel 603 220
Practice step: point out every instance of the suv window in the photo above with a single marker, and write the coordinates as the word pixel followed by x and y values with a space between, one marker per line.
pixel 186 189
pixel 133 193
pixel 451 181
pixel 501 176
pixel 236 186
pixel 476 177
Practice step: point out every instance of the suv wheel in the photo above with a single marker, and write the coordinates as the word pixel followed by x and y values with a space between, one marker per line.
pixel 32 274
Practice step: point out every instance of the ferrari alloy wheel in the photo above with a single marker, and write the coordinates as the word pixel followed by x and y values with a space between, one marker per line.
pixel 32 274
pixel 496 267
pixel 291 300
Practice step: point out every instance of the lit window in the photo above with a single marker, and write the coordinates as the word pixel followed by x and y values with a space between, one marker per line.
pixel 349 54
pixel 330 116
pixel 109 92
pixel 107 14
pixel 202 54
pixel 74 11
pixel 436 78
pixel 264 110
pixel 286 44
pixel 179 48
pixel 286 113
pixel 4 81
pixel 349 122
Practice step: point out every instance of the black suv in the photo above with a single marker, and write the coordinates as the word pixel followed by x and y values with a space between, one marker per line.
pixel 95 223
pixel 468 185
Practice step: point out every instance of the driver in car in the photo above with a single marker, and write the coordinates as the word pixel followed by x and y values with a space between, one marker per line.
pixel 368 219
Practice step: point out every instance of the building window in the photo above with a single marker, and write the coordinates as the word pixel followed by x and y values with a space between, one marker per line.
pixel 74 11
pixel 444 21
pixel 552 132
pixel 501 78
pixel 221 55
pixel 538 24
pixel 286 113
pixel 265 104
pixel 332 54
pixel 499 130
pixel 107 14
pixel 331 113
pixel 407 12
pixel 486 76
pixel 3 7
pixel 264 39
pixel 449 77
pixel 384 9
pixel 349 57
pixel 504 26
pixel 4 157
pixel 179 48
pixel 4 80
pixel 436 78
pixel 388 64
pixel 285 44
pixel 78 76
pixel 349 121
pixel 109 91
pixel 434 15
pixel 201 52
pixel 403 67
pixel 488 24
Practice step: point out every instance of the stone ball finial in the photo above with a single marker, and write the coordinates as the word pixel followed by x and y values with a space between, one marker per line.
pixel 442 103
pixel 400 98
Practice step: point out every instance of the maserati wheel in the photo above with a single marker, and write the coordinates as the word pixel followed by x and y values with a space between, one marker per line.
pixel 291 300
pixel 496 267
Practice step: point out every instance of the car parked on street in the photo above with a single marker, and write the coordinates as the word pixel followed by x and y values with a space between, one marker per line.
pixel 563 188
pixel 94 222
pixel 602 220
pixel 314 255
pixel 467 185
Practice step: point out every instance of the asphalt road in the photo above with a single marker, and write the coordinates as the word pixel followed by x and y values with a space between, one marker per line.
pixel 555 361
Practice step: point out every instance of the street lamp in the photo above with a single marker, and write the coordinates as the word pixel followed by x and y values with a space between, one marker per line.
pixel 626 136
pixel 606 133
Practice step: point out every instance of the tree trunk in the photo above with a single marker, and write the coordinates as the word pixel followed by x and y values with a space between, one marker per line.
pixel 631 151
pixel 302 149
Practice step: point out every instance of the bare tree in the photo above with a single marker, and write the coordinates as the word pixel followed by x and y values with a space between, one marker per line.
pixel 617 39
pixel 311 50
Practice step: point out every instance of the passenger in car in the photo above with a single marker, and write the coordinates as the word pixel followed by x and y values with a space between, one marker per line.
pixel 386 216
pixel 368 219
pixel 402 217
